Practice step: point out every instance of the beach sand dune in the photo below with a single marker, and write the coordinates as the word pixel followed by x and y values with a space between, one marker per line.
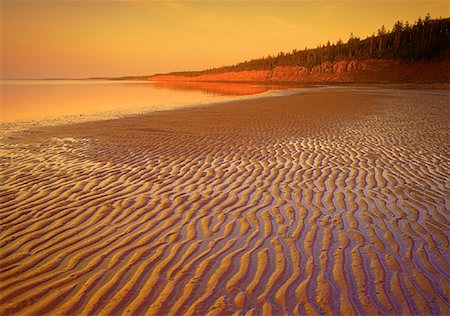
pixel 333 201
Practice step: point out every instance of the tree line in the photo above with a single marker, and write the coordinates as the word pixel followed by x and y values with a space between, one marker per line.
pixel 426 39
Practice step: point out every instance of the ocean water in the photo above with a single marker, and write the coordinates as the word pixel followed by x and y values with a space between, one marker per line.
pixel 81 100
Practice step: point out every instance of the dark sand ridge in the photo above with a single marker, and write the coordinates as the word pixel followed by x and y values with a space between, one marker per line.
pixel 328 201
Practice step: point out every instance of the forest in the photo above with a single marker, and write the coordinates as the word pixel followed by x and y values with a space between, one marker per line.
pixel 426 39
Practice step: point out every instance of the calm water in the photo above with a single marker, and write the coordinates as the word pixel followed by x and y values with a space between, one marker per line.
pixel 30 100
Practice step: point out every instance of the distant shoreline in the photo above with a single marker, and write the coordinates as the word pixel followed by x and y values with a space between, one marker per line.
pixel 388 85
pixel 368 71
pixel 434 74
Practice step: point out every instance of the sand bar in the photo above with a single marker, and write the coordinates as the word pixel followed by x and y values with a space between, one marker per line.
pixel 329 201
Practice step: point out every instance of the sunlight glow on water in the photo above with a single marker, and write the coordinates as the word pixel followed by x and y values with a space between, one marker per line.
pixel 25 100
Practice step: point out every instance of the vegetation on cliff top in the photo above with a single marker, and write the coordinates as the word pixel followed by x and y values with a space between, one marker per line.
pixel 426 39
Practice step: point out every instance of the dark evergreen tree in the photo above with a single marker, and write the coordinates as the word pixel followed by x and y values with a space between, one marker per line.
pixel 427 39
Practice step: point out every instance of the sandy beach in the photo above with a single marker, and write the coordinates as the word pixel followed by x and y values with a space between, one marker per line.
pixel 330 201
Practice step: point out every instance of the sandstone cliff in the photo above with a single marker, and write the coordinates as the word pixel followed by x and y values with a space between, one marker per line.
pixel 345 71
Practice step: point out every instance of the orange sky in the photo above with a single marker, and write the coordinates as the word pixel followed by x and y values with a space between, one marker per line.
pixel 113 38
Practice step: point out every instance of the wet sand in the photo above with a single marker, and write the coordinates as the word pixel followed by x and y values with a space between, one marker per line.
pixel 330 201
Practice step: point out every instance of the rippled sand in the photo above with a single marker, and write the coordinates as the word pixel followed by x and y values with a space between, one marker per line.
pixel 331 201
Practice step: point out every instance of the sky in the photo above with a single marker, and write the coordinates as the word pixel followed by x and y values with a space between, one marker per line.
pixel 78 39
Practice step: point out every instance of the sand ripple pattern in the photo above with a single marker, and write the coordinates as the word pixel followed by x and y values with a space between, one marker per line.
pixel 330 202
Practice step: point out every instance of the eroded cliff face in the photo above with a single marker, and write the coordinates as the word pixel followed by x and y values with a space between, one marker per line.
pixel 345 71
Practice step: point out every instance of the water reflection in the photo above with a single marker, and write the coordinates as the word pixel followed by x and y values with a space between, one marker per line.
pixel 214 88
pixel 40 99
pixel 23 100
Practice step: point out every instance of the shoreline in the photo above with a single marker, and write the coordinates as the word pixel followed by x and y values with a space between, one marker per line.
pixel 233 104
pixel 272 92
pixel 18 125
pixel 330 72
pixel 332 200
pixel 438 85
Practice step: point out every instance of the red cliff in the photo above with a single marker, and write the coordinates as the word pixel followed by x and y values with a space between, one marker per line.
pixel 344 71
